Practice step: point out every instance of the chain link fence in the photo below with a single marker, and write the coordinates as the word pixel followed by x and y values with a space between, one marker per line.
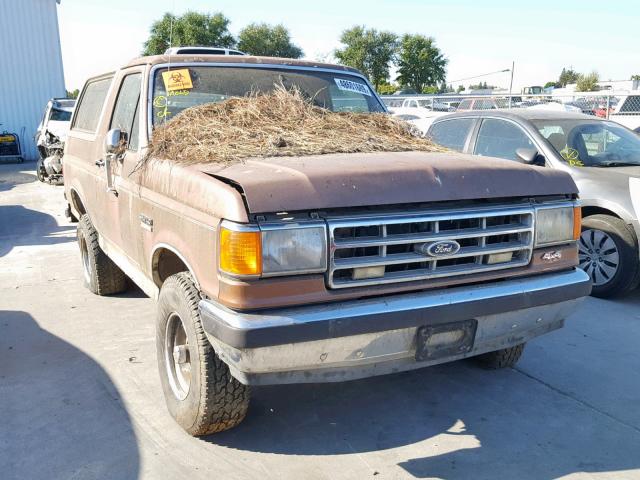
pixel 623 108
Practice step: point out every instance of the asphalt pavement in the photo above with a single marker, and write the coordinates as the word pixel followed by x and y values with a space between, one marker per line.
pixel 80 395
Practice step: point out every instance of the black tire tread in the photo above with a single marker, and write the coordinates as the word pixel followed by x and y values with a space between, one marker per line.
pixel 107 278
pixel 630 279
pixel 506 357
pixel 223 400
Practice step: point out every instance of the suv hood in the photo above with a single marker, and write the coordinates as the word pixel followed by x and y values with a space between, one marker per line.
pixel 277 184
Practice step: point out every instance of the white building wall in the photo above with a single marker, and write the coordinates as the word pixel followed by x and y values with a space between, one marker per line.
pixel 30 66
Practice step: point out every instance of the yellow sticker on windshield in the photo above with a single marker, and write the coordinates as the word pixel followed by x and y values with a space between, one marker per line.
pixel 572 157
pixel 177 80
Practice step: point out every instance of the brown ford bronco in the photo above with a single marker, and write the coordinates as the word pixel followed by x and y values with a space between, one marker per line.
pixel 316 268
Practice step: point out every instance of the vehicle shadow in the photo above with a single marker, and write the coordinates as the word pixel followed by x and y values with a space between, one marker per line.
pixel 14 174
pixel 22 226
pixel 488 424
pixel 60 414
pixel 632 298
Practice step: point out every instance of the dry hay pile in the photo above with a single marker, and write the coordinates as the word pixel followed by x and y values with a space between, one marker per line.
pixel 281 123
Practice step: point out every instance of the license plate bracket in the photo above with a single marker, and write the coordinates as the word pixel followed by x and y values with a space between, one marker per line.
pixel 445 340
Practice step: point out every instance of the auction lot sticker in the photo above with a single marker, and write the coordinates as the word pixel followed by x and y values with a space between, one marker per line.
pixel 351 86
pixel 177 79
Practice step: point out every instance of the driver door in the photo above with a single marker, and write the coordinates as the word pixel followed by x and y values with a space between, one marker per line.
pixel 126 118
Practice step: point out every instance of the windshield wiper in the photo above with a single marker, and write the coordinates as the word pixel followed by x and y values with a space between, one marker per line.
pixel 617 164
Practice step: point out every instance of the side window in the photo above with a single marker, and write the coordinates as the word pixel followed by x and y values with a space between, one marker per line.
pixel 484 104
pixel 125 113
pixel 90 106
pixel 501 139
pixel 464 105
pixel 451 133
pixel 631 104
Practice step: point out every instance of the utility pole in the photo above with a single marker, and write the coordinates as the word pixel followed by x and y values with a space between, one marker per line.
pixel 513 64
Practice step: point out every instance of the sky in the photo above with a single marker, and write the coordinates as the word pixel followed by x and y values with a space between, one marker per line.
pixel 540 36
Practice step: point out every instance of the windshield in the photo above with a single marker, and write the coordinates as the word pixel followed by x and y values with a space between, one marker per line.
pixel 591 143
pixel 184 87
pixel 59 115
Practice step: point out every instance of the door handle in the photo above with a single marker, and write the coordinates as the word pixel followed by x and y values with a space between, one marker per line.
pixel 100 163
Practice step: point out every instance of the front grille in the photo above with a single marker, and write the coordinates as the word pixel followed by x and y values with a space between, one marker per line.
pixel 376 250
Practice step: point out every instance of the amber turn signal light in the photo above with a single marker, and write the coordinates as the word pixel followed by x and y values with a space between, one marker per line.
pixel 577 222
pixel 240 252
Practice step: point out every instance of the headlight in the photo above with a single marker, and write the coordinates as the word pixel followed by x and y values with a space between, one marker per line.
pixel 272 250
pixel 557 225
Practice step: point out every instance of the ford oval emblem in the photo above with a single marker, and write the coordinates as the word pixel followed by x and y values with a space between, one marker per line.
pixel 444 248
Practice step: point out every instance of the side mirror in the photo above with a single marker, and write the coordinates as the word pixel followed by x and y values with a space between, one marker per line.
pixel 530 156
pixel 113 142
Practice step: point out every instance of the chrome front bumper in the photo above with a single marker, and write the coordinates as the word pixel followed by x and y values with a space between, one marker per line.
pixel 361 338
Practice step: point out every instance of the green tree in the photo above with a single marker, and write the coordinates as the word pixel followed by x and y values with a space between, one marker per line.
pixel 568 76
pixel 482 86
pixel 387 88
pixel 370 51
pixel 420 63
pixel 192 28
pixel 635 77
pixel 444 88
pixel 588 82
pixel 460 88
pixel 552 84
pixel 73 93
pixel 266 40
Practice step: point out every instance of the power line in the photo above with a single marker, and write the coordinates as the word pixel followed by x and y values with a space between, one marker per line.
pixel 478 76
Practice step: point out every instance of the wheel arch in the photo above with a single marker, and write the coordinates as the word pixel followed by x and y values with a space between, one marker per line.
pixel 167 260
pixel 76 202
pixel 589 210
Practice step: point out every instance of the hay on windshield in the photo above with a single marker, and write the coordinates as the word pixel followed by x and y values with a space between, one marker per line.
pixel 282 123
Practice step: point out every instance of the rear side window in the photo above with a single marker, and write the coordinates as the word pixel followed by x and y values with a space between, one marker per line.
pixel 501 139
pixel 631 104
pixel 91 103
pixel 125 113
pixel 451 133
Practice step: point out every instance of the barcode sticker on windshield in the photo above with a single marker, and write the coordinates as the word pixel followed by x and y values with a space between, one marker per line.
pixel 351 86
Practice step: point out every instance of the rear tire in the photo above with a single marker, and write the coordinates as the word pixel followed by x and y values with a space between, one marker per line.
pixel 40 173
pixel 607 241
pixel 101 275
pixel 506 357
pixel 200 392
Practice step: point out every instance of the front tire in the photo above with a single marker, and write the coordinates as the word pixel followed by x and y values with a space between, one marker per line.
pixel 504 358
pixel 40 173
pixel 101 275
pixel 608 252
pixel 200 392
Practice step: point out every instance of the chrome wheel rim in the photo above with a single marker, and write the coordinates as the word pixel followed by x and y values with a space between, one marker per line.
pixel 86 266
pixel 598 256
pixel 177 357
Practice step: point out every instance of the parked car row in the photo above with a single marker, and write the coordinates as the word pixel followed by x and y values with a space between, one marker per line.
pixel 603 158
pixel 624 108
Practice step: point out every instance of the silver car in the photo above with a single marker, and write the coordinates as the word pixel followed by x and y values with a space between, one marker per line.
pixel 603 158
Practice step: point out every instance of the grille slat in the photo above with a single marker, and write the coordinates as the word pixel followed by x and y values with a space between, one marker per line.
pixel 371 261
pixel 447 235
pixel 394 246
